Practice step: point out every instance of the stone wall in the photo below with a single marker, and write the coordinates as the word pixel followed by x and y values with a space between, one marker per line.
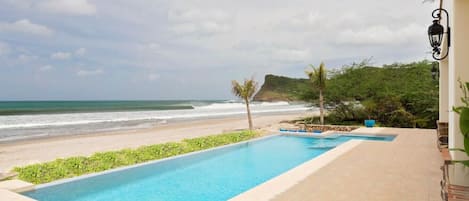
pixel 312 127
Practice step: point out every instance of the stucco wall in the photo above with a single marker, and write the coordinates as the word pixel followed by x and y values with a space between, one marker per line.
pixel 458 69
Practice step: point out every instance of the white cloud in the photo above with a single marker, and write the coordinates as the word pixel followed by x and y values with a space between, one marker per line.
pixel 226 39
pixel 196 15
pixel 26 58
pixel 194 21
pixel 153 46
pixel 201 28
pixel 80 52
pixel 275 52
pixel 153 76
pixel 291 55
pixel 84 73
pixel 61 55
pixel 68 55
pixel 301 21
pixel 46 68
pixel 4 49
pixel 381 35
pixel 26 26
pixel 70 7
pixel 23 4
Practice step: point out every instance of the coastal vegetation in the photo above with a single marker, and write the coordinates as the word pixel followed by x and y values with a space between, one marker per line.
pixel 245 91
pixel 318 77
pixel 281 88
pixel 80 165
pixel 395 95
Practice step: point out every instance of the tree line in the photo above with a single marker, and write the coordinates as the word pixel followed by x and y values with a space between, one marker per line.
pixel 396 95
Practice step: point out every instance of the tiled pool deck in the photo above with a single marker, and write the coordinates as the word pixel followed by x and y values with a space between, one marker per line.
pixel 9 190
pixel 404 169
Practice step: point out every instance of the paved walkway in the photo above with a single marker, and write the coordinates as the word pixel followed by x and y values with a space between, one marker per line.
pixel 405 169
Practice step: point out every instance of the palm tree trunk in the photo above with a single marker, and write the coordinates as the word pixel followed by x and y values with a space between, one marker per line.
pixel 321 107
pixel 249 114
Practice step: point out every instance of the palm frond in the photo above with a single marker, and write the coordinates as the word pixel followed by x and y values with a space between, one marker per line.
pixel 250 87
pixel 318 76
pixel 236 89
pixel 245 91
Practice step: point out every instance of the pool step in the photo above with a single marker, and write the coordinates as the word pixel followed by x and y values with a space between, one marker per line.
pixel 11 196
pixel 16 185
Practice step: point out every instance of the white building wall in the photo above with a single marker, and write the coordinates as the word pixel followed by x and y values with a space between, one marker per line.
pixel 458 69
pixel 444 67
pixel 443 98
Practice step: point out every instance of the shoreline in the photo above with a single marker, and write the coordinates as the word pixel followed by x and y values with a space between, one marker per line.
pixel 126 130
pixel 26 127
pixel 30 151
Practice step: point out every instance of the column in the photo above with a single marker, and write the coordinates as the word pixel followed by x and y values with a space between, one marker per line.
pixel 458 69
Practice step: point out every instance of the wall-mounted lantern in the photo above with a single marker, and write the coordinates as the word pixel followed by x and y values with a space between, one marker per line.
pixel 436 32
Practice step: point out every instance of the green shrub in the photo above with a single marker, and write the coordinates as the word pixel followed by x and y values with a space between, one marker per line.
pixel 401 118
pixel 347 114
pixel 389 111
pixel 75 166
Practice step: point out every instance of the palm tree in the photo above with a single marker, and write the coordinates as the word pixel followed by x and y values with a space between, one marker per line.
pixel 245 91
pixel 318 79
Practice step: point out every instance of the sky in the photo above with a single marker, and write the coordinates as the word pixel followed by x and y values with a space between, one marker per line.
pixel 192 49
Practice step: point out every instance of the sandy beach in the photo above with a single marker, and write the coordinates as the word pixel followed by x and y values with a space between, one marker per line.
pixel 19 153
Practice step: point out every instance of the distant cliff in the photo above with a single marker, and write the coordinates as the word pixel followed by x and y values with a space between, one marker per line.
pixel 279 88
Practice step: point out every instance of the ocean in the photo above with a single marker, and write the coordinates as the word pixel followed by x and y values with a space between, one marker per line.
pixel 33 119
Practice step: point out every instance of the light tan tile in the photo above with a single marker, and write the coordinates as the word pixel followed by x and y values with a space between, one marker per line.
pixel 404 169
pixel 6 195
pixel 16 185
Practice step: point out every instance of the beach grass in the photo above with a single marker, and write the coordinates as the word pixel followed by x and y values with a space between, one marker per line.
pixel 76 166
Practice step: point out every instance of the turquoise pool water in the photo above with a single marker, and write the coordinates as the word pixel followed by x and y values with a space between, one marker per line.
pixel 212 175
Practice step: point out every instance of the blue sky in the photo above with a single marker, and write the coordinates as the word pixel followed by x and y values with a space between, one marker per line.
pixel 192 49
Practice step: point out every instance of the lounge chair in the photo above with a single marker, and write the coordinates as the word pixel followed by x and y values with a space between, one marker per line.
pixel 449 191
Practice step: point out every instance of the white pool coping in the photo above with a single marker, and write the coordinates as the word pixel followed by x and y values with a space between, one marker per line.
pixel 9 190
pixel 6 195
pixel 16 185
pixel 269 189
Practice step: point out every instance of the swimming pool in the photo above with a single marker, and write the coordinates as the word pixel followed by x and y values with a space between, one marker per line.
pixel 217 174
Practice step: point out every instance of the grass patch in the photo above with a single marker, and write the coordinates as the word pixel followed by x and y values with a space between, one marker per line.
pixel 76 166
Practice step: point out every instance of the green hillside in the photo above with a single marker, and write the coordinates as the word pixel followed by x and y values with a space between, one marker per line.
pixel 280 88
pixel 399 95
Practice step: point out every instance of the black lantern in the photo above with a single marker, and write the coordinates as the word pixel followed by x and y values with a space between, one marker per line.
pixel 436 32
pixel 435 71
pixel 435 35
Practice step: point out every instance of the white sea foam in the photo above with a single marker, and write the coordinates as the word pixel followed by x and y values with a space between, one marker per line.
pixel 212 110
pixel 236 104
pixel 280 103
pixel 216 106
